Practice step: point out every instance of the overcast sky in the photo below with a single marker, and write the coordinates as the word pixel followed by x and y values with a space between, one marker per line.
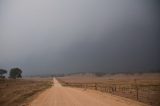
pixel 63 36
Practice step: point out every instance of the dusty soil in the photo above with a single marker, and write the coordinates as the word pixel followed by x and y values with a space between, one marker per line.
pixel 19 92
pixel 67 96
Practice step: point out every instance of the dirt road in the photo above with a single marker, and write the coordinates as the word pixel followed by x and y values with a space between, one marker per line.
pixel 66 96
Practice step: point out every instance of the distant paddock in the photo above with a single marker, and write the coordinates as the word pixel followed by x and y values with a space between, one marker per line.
pixel 138 87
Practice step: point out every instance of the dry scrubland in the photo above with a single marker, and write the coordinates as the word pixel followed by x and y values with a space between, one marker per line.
pixel 146 87
pixel 20 91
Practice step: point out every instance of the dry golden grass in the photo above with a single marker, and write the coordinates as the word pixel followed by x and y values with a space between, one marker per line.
pixel 147 85
pixel 20 91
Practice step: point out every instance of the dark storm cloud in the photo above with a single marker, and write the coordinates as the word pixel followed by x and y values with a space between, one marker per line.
pixel 59 36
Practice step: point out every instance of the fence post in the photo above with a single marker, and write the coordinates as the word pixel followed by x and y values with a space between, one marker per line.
pixel 105 89
pixel 95 86
pixel 137 95
pixel 85 86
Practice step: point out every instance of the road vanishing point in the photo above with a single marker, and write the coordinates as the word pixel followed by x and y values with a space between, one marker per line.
pixel 59 95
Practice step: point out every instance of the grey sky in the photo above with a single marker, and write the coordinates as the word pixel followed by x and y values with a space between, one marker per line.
pixel 62 36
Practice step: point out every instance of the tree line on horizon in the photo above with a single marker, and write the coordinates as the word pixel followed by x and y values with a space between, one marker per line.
pixel 13 73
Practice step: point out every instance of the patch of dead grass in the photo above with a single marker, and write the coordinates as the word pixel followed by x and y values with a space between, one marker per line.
pixel 19 91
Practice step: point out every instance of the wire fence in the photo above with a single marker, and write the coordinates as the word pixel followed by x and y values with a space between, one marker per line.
pixel 149 94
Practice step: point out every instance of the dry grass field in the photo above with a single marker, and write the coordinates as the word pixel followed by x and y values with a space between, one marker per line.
pixel 141 87
pixel 20 91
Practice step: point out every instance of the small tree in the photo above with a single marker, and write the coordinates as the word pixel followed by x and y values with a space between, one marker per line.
pixel 15 73
pixel 2 71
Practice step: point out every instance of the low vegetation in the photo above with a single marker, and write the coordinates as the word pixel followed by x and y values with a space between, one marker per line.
pixel 18 92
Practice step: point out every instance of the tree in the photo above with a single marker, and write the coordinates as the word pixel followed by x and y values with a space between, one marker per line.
pixel 2 71
pixel 15 73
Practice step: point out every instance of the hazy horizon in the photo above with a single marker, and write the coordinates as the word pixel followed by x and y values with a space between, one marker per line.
pixel 59 36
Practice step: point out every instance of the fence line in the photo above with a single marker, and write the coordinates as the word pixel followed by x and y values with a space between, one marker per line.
pixel 133 91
